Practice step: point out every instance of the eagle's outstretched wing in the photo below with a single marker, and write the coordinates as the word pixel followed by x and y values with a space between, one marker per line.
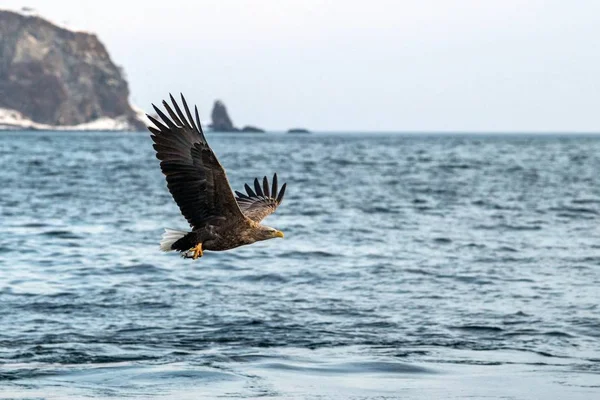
pixel 194 176
pixel 259 203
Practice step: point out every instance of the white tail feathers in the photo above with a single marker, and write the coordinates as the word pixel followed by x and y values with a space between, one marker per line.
pixel 169 237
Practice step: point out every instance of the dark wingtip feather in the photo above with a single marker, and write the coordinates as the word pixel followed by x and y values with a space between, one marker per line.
pixel 162 116
pixel 155 131
pixel 266 190
pixel 240 195
pixel 182 117
pixel 249 190
pixel 257 188
pixel 281 193
pixel 199 124
pixel 174 104
pixel 149 117
pixel 188 113
pixel 156 122
pixel 174 116
pixel 274 186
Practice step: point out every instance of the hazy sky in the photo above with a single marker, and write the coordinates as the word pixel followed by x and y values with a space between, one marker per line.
pixel 377 65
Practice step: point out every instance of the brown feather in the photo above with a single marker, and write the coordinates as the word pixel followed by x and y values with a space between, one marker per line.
pixel 194 175
pixel 259 203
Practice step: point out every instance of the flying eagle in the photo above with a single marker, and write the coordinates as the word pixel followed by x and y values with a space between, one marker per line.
pixel 198 183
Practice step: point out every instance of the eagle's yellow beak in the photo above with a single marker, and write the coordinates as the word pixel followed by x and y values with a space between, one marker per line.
pixel 279 234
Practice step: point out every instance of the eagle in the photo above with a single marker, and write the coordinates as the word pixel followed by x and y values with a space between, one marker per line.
pixel 219 219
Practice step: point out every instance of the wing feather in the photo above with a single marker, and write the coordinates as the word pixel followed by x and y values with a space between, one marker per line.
pixel 257 188
pixel 266 187
pixel 281 193
pixel 172 114
pixel 188 113
pixel 162 116
pixel 157 123
pixel 274 185
pixel 249 190
pixel 198 123
pixel 195 178
pixel 182 118
pixel 262 202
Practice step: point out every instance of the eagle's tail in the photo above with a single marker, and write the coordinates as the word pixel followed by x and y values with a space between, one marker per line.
pixel 170 237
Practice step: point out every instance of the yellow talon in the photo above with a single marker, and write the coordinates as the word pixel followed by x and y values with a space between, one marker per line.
pixel 197 251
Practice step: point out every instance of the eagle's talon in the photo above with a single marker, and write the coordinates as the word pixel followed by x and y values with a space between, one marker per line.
pixel 197 251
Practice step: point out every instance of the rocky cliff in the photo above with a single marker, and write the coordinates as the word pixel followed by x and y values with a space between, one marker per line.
pixel 55 78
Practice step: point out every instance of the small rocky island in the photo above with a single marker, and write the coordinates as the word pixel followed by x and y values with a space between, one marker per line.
pixel 252 129
pixel 53 78
pixel 298 130
pixel 221 122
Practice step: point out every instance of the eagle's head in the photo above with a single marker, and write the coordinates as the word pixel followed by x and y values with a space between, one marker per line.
pixel 266 232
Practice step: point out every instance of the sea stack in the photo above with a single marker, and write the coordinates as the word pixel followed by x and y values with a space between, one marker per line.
pixel 220 118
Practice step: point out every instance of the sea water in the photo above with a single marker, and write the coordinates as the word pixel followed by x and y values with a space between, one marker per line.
pixel 413 267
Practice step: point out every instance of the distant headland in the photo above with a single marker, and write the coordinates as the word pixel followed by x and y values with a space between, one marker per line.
pixel 58 79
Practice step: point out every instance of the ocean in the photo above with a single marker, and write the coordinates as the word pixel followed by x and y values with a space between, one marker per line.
pixel 413 267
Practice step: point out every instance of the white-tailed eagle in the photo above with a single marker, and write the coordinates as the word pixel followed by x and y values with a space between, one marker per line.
pixel 219 219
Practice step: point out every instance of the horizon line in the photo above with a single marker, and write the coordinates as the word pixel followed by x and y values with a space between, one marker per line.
pixel 350 132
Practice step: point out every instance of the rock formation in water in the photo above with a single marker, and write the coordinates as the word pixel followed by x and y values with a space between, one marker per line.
pixel 298 130
pixel 220 118
pixel 221 122
pixel 252 129
pixel 54 78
